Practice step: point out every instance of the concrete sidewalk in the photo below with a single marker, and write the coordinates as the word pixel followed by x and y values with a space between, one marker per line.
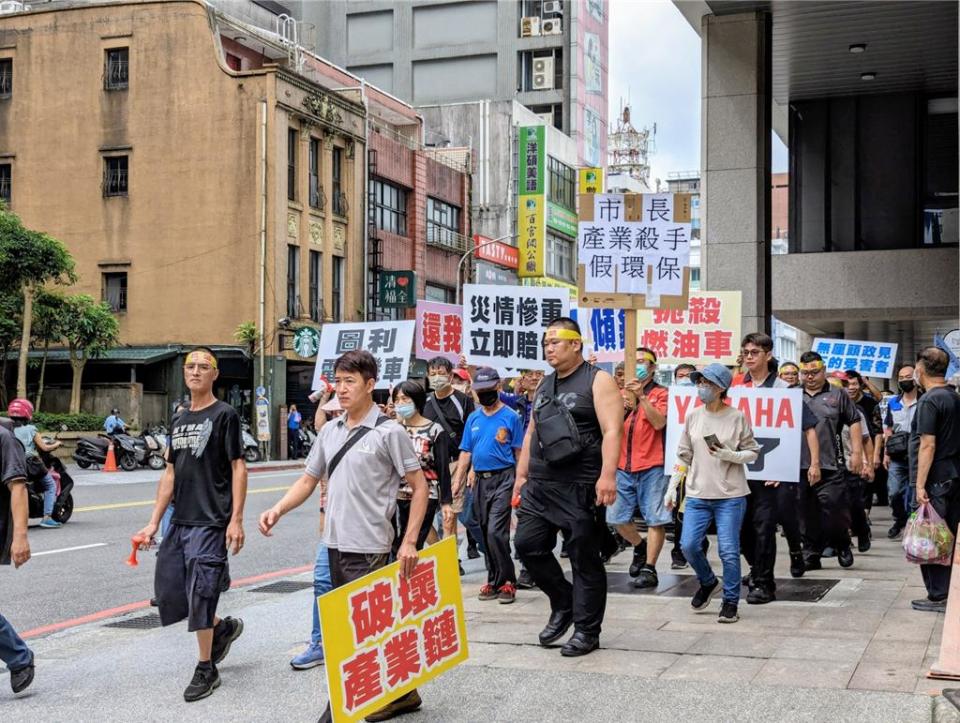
pixel 857 654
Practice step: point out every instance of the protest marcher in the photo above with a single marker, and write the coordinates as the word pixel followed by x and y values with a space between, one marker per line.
pixel 567 467
pixel 681 378
pixel 206 478
pixel 896 438
pixel 492 439
pixel 14 547
pixel 823 490
pixel 716 442
pixel 641 483
pixel 856 478
pixel 935 461
pixel 450 408
pixel 790 373
pixel 365 458
pixel 867 398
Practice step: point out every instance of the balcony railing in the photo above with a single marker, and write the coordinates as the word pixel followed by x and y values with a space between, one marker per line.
pixel 115 182
pixel 443 238
pixel 117 299
pixel 340 205
pixel 318 199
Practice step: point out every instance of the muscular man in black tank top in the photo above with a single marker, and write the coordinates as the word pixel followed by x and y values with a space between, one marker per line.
pixel 563 497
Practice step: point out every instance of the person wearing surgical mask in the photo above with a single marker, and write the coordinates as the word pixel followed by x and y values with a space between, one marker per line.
pixel 433 449
pixel 681 375
pixel 715 445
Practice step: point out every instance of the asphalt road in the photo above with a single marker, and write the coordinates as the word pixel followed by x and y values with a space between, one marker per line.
pixel 80 569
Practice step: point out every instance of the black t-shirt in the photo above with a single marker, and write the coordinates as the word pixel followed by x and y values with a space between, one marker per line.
pixel 871 411
pixel 12 467
pixel 203 446
pixel 575 391
pixel 938 413
pixel 451 417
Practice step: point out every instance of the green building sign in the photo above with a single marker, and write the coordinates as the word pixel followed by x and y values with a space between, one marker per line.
pixel 398 290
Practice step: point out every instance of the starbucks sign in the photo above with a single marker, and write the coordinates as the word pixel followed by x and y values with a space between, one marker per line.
pixel 306 342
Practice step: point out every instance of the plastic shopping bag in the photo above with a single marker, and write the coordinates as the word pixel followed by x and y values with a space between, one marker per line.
pixel 926 538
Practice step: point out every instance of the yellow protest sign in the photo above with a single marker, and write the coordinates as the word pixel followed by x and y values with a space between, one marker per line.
pixel 384 635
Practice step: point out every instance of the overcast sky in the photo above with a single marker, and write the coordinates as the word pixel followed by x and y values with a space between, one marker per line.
pixel 655 63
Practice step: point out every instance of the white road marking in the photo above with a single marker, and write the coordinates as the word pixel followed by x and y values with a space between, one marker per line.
pixel 69 549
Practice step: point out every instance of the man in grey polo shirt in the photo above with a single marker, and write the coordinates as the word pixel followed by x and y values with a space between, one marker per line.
pixel 364 457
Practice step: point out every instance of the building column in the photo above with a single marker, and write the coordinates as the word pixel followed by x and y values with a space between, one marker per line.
pixel 735 155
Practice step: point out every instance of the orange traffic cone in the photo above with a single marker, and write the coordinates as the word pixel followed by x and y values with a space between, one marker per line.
pixel 111 463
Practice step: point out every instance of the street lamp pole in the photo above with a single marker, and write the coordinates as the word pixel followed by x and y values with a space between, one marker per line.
pixel 471 252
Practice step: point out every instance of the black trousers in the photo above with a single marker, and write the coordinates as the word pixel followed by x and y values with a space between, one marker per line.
pixel 402 518
pixel 767 506
pixel 493 494
pixel 857 492
pixel 945 498
pixel 567 507
pixel 826 513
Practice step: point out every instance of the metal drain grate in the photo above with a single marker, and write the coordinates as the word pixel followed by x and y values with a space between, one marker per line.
pixel 283 586
pixel 808 590
pixel 141 622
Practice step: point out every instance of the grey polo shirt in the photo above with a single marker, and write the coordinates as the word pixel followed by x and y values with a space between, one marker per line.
pixel 834 409
pixel 362 493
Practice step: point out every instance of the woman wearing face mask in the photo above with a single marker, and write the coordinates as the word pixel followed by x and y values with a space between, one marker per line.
pixel 716 442
pixel 432 444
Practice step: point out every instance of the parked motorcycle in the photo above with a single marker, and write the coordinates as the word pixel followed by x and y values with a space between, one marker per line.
pixel 251 449
pixel 93 451
pixel 149 451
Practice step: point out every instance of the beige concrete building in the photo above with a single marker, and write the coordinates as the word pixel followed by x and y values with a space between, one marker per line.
pixel 197 183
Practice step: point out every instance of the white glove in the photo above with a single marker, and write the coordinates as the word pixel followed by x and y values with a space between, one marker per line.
pixel 670 498
pixel 728 455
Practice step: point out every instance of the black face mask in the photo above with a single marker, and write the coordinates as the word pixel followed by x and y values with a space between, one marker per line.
pixel 907 385
pixel 488 397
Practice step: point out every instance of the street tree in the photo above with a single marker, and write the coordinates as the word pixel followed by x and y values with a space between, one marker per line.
pixel 28 260
pixel 11 308
pixel 50 322
pixel 91 330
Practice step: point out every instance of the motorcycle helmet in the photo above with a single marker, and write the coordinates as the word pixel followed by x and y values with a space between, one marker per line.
pixel 20 408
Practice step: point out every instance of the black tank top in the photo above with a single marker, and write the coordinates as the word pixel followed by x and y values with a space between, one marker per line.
pixel 576 392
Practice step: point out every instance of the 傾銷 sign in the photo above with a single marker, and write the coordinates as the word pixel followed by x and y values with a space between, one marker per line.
pixel 503 326
pixel 606 328
pixel 398 289
pixel 707 331
pixel 384 635
pixel 531 202
pixel 306 341
pixel 496 252
pixel 439 330
pixel 775 415
pixel 870 358
pixel 390 342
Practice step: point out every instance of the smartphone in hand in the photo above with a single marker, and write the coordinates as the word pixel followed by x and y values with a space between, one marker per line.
pixel 712 441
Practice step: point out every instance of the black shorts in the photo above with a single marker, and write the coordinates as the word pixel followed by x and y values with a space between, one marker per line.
pixel 192 571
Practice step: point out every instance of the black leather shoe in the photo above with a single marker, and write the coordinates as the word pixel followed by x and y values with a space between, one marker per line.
pixel 557 626
pixel 845 557
pixel 21 678
pixel 760 596
pixel 639 559
pixel 812 563
pixel 580 644
pixel 930 606
pixel 797 566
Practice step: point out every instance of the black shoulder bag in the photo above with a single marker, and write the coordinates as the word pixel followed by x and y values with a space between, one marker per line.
pixel 557 431
pixel 349 443
pixel 442 418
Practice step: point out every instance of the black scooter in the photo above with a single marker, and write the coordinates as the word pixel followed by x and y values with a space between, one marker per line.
pixel 93 451
pixel 63 506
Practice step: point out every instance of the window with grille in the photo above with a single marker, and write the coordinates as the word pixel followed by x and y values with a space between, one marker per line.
pixel 389 204
pixel 336 169
pixel 115 176
pixel 6 77
pixel 316 286
pixel 316 192
pixel 116 71
pixel 443 222
pixel 114 291
pixel 336 310
pixel 293 281
pixel 292 164
pixel 6 183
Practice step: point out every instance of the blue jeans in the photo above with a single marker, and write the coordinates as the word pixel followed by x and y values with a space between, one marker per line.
pixel 321 585
pixel 49 494
pixel 902 494
pixel 13 651
pixel 165 520
pixel 728 514
pixel 468 518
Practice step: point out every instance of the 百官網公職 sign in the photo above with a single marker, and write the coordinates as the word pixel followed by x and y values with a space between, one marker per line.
pixel 384 635
pixel 390 342
pixel 775 415
pixel 707 331
pixel 531 202
pixel 397 289
pixel 439 330
pixel 306 342
pixel 870 358
pixel 503 326
pixel 636 244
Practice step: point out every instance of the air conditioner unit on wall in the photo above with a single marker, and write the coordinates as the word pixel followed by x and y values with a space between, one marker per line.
pixel 543 73
pixel 529 27
pixel 553 26
pixel 552 7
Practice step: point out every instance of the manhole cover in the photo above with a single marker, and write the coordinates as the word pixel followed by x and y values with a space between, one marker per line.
pixel 141 622
pixel 283 586
pixel 788 590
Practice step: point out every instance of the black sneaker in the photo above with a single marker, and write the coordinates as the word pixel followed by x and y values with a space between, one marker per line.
pixel 864 542
pixel 894 532
pixel 797 566
pixel 639 558
pixel 462 571
pixel 647 577
pixel 21 678
pixel 525 582
pixel 677 561
pixel 205 681
pixel 845 557
pixel 224 634
pixel 760 596
pixel 728 613
pixel 812 563
pixel 701 598
pixel 472 552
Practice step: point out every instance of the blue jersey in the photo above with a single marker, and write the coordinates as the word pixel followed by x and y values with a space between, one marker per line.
pixel 491 439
